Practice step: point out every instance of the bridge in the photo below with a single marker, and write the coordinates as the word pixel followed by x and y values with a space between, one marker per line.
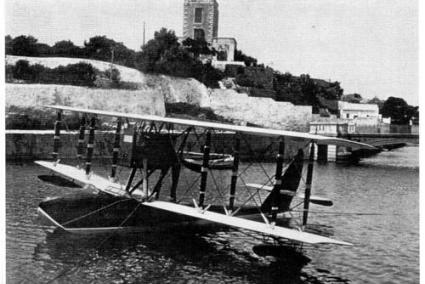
pixel 387 141
pixel 384 140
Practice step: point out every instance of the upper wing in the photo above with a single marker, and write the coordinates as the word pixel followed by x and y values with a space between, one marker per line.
pixel 226 127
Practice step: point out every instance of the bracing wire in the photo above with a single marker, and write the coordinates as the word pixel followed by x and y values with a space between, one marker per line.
pixel 70 270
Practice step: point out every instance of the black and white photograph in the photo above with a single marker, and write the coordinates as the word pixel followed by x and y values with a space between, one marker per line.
pixel 211 141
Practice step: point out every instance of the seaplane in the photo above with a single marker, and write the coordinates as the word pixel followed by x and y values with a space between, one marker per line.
pixel 164 146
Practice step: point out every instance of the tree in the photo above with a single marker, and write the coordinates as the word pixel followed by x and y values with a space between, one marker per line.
pixel 23 71
pixel 352 98
pixel 210 76
pixel 8 44
pixel 44 49
pixel 24 46
pixel 378 102
pixel 309 91
pixel 99 47
pixel 399 111
pixel 103 48
pixel 248 60
pixel 66 48
pixel 156 50
pixel 198 47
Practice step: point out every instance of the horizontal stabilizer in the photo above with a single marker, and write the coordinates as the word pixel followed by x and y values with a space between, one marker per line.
pixel 318 200
pixel 313 198
pixel 241 223
pixel 79 175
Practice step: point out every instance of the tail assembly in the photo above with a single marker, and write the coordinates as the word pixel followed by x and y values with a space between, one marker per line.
pixel 288 189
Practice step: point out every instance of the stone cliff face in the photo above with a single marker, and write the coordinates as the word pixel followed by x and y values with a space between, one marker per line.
pixel 154 91
pixel 265 112
pixel 179 90
pixel 39 95
pixel 234 106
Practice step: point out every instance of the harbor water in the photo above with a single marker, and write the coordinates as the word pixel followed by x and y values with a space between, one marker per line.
pixel 376 207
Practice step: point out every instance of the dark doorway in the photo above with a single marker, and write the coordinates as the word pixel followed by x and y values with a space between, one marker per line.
pixel 199 34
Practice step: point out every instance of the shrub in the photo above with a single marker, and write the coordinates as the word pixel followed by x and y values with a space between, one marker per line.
pixel 208 75
pixel 23 71
pixel 185 109
pixel 80 74
pixel 22 45
pixel 114 75
pixel 244 80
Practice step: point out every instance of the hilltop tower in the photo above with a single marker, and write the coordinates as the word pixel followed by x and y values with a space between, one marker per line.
pixel 200 19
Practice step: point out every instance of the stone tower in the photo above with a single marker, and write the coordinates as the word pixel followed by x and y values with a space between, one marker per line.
pixel 200 19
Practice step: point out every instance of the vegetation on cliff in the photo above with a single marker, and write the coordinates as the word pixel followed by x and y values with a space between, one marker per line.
pixel 80 74
pixel 98 48
pixel 165 55
pixel 161 55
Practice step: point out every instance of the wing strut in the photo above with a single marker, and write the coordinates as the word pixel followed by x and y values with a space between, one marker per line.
pixel 80 145
pixel 204 170
pixel 116 150
pixel 133 163
pixel 56 137
pixel 308 184
pixel 236 148
pixel 278 179
pixel 90 145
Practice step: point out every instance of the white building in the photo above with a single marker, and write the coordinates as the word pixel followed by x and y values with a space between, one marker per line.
pixel 332 127
pixel 362 114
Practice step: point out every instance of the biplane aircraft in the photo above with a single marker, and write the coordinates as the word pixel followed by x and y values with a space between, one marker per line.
pixel 157 145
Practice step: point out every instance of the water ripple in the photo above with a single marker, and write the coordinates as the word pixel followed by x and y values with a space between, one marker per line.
pixel 386 244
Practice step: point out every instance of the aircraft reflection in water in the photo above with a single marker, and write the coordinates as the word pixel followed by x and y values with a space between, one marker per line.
pixel 214 249
pixel 157 149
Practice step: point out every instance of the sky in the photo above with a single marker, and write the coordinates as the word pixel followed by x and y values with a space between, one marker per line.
pixel 369 46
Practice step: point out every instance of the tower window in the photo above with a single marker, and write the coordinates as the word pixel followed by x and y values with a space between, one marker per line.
pixel 198 15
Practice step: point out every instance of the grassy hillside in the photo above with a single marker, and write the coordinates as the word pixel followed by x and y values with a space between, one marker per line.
pixel 180 97
pixel 127 74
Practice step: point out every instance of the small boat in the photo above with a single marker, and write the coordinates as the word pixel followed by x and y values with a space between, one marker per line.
pixel 193 161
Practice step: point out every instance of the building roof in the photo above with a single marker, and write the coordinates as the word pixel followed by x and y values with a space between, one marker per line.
pixel 359 107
